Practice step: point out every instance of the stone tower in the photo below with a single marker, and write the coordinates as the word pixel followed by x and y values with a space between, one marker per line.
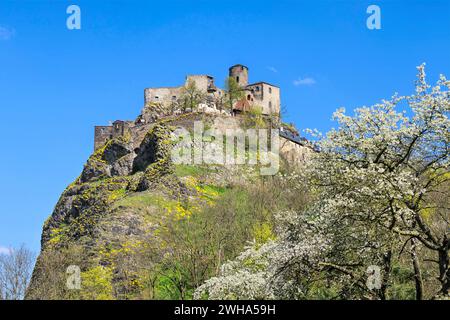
pixel 240 74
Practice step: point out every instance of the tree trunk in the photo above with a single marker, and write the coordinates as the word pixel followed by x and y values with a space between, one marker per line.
pixel 387 259
pixel 417 271
pixel 444 269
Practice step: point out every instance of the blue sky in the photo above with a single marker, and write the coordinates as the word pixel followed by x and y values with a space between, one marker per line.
pixel 56 84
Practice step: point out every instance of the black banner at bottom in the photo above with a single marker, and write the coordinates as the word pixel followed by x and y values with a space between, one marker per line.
pixel 239 310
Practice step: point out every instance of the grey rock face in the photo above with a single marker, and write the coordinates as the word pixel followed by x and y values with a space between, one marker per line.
pixel 123 166
pixel 93 170
pixel 116 150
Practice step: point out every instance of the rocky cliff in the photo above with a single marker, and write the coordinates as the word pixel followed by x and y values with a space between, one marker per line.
pixel 120 223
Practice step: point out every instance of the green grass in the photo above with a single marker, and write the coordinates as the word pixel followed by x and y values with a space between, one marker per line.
pixel 140 200
pixel 214 189
pixel 182 170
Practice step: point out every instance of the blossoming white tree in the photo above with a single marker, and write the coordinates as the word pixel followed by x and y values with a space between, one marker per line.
pixel 381 183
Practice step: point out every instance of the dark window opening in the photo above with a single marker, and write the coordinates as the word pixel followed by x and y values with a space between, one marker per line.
pixel 270 90
pixel 248 97
pixel 237 79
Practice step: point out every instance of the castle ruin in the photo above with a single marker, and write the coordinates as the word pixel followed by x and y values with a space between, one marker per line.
pixel 260 94
pixel 165 101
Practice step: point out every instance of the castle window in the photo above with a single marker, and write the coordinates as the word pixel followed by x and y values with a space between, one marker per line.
pixel 156 97
pixel 174 98
pixel 257 88
pixel 237 79
pixel 270 105
pixel 248 97
pixel 270 90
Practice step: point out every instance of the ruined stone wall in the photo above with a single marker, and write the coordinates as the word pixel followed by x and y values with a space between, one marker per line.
pixel 121 128
pixel 163 95
pixel 104 133
pixel 201 81
pixel 168 95
pixel 293 152
pixel 101 135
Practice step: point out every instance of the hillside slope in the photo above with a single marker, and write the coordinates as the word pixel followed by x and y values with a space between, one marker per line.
pixel 140 227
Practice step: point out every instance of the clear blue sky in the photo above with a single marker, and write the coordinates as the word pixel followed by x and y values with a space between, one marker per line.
pixel 56 84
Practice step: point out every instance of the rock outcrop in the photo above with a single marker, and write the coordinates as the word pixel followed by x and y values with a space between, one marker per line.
pixel 127 191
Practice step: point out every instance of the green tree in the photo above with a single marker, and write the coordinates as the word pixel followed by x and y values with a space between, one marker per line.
pixel 191 96
pixel 381 211
pixel 233 92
